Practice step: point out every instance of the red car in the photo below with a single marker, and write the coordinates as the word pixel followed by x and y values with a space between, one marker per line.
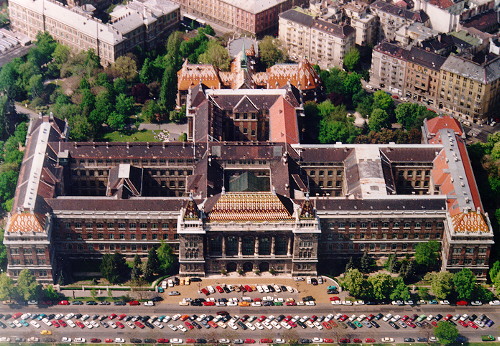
pixel 219 289
pixel 139 324
pixel 411 324
pixel 189 325
pixel 370 317
pixel 328 341
pixel 213 324
pixel 462 303
pixel 291 303
pixel 80 324
pixel 313 318
pixel 257 300
pixel 343 318
pixel 333 324
pixel 62 323
pixel 162 341
pixel 205 291
pixel 472 324
pixel 249 341
pixel 112 316
pixel 463 324
pixel 120 325
pixel 447 317
pixel 326 325
pixel 134 302
pixel 333 299
pixel 261 318
pixel 248 288
pixel 208 303
pixel 292 324
pixel 369 340
pixel 55 324
pixel 357 341
pixel 63 302
pixel 404 318
pixel 434 323
pixel 190 341
pixel 345 341
pixel 122 316
pixel 17 315
pixel 266 341
pixel 108 341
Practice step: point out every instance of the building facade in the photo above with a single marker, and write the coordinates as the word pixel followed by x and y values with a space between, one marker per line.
pixel 444 15
pixel 137 24
pixel 247 205
pixel 363 22
pixel 253 16
pixel 309 37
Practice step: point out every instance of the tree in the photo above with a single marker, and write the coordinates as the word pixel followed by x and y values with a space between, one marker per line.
pixel 147 73
pixel 152 265
pixel 27 286
pixel 136 268
pixel 103 107
pixel 351 59
pixel 383 101
pixel 446 332
pixel 7 287
pixel 409 272
pixel 382 285
pixel 124 67
pixel 8 181
pixel 331 131
pixel 117 120
pixel 216 55
pixel 166 258
pixel 151 111
pixel 124 104
pixel 465 283
pixel 367 263
pixel 35 86
pixel 352 281
pixel 3 253
pixel 389 263
pixel 173 45
pixel 119 86
pixel 412 115
pixel 442 284
pixel 88 102
pixel 495 269
pixel 113 267
pixel 350 264
pixel 427 254
pixel 80 128
pixel 378 119
pixel 270 51
pixel 168 91
pixel 50 293
pixel 400 290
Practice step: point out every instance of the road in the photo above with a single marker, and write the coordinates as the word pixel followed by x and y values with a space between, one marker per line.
pixel 336 333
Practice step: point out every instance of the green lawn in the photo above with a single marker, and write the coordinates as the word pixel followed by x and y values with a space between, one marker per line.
pixel 138 136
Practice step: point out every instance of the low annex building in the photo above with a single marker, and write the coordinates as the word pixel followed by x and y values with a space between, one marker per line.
pixel 246 205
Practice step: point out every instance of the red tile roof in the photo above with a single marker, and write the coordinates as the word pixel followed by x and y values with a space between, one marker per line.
pixel 283 125
pixel 444 122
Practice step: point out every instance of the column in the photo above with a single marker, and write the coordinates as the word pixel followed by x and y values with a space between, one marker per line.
pixel 239 246
pixel 256 252
pixel 223 246
pixel 272 245
pixel 289 250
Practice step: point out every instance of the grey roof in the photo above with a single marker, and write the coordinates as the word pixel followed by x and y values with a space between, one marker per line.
pixel 304 19
pixel 298 17
pixel 417 16
pixel 254 6
pixel 484 73
pixel 424 58
pixel 418 203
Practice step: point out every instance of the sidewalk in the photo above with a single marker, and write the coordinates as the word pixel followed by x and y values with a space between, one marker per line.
pixel 174 130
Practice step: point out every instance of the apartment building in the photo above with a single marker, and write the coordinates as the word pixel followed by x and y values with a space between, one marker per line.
pixel 392 17
pixel 321 42
pixel 388 67
pixel 365 23
pixel 248 16
pixel 137 24
pixel 470 88
pixel 444 15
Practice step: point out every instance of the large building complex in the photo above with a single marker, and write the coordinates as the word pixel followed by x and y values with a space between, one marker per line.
pixel 142 24
pixel 249 205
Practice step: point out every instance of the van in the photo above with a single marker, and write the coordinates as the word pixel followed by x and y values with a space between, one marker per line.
pixel 309 280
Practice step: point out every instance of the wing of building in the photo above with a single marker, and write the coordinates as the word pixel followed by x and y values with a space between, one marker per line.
pixel 249 205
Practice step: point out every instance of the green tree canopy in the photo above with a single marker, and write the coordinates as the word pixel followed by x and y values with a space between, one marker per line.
pixel 412 115
pixel 270 51
pixel 383 101
pixel 27 286
pixel 446 332
pixel 427 254
pixel 7 287
pixel 367 263
pixel 168 91
pixel 351 59
pixel 124 67
pixel 124 104
pixel 400 290
pixel 379 119
pixel 353 281
pixel 465 283
pixel 114 268
pixel 382 285
pixel 117 120
pixel 216 55
pixel 166 257
pixel 152 265
pixel 442 284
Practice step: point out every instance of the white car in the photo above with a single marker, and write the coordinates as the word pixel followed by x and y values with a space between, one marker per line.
pixel 346 302
pixel 71 323
pixel 464 317
pixel 386 339
pixel 476 303
pixel 285 325
pixel 46 321
pixel 130 324
pixel 4 339
pixel 495 302
pixel 249 326
pixel 222 325
pixel 65 339
pixel 176 341
pixel 79 340
pixel 57 317
pixel 171 326
pixel 359 302
pixel 70 315
pixel 112 324
pixel 276 325
pixel 352 318
pixel 27 315
pixel 149 303
pixel 387 317
pixel 444 302
pixel 277 288
pixel 256 304
pixel 181 328
pixel 433 339
pixel 176 317
pixel 94 324
pixel 88 324
pixel 211 289
pixel 317 340
pixel 85 317
pixel 183 303
pixel 119 340
pixel 258 325
pixel 224 341
pixel 289 289
pixel 35 324
pixel 232 303
pixel 33 339
pixel 17 323
pixel 166 319
pixel 279 341
pixel 318 325
pixel 158 324
pixel 260 289
pixel 310 303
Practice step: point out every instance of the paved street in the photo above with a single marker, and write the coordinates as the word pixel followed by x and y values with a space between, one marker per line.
pixel 322 309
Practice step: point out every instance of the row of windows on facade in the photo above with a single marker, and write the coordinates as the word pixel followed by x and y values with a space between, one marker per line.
pixel 458 250
pixel 375 224
pixel 17 261
pixel 103 173
pixel 112 225
pixel 467 261
pixel 40 273
pixel 143 162
pixel 16 251
pixel 102 184
pixel 112 247
pixel 352 236
pixel 121 236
